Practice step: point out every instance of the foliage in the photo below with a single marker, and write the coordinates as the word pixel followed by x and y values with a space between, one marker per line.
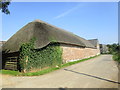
pixel 115 50
pixel 31 58
pixel 116 57
pixel 4 6
pixel 16 73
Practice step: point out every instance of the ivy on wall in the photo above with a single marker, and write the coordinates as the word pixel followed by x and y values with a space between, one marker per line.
pixel 31 58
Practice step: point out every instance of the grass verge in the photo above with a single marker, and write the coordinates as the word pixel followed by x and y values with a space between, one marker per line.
pixel 10 72
pixel 17 73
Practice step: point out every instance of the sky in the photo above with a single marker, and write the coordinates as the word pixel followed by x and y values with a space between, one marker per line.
pixel 89 20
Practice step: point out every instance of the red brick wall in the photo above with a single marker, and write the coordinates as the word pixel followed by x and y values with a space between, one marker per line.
pixel 71 52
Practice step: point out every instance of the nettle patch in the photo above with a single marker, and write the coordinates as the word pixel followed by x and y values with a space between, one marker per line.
pixel 30 58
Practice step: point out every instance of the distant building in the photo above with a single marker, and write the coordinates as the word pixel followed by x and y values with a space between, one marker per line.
pixel 103 48
pixel 95 43
pixel 1 43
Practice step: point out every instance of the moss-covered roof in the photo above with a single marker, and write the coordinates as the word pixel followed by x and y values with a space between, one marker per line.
pixel 44 34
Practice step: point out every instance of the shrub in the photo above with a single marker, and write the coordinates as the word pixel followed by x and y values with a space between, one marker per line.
pixel 31 58
pixel 116 57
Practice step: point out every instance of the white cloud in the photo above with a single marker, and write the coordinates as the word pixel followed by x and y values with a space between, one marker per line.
pixel 68 11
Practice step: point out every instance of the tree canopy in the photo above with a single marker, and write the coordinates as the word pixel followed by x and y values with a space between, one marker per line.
pixel 113 48
pixel 4 6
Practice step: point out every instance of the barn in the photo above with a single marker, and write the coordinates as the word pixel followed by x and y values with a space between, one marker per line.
pixel 73 47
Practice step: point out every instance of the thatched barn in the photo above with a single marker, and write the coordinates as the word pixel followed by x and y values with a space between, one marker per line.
pixel 73 46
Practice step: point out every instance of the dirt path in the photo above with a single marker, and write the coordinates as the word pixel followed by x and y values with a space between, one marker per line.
pixel 100 72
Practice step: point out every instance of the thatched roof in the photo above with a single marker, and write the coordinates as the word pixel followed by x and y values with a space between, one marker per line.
pixel 94 42
pixel 44 33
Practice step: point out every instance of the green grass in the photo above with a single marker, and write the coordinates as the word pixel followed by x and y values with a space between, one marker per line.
pixel 17 73
pixel 9 72
pixel 71 63
pixel 39 72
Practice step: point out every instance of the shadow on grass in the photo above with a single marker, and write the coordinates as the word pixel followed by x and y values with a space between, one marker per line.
pixel 92 76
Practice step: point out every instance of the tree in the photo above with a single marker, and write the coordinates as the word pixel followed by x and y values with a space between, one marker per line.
pixel 4 6
pixel 113 48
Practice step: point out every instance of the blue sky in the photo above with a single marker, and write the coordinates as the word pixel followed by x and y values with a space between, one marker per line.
pixel 86 19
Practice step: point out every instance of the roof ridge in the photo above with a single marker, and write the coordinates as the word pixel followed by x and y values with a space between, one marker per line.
pixel 38 20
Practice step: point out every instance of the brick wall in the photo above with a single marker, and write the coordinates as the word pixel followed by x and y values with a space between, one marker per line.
pixel 72 53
